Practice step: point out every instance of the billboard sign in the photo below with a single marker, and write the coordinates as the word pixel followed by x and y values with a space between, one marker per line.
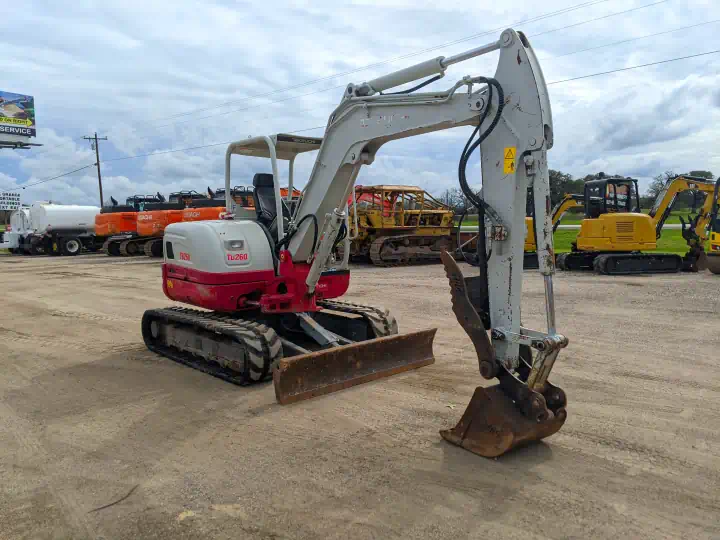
pixel 9 200
pixel 17 115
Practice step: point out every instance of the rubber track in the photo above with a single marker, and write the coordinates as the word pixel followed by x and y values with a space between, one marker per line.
pixel 382 322
pixel 125 243
pixel 377 244
pixel 260 343
pixel 600 264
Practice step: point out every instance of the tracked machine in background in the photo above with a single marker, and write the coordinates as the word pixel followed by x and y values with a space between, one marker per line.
pixel 615 238
pixel 153 219
pixel 467 240
pixel 270 286
pixel 398 225
pixel 713 249
pixel 118 223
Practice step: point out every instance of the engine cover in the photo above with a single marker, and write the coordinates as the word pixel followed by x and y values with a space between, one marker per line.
pixel 218 247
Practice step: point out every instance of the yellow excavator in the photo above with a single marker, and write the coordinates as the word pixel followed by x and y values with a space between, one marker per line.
pixel 713 253
pixel 468 240
pixel 615 236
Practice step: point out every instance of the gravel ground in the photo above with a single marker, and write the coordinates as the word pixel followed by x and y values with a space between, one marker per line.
pixel 88 415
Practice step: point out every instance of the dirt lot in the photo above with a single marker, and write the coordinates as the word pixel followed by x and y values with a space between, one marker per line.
pixel 87 414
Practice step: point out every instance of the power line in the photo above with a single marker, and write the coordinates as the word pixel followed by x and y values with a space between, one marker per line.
pixel 355 70
pixel 635 67
pixel 639 66
pixel 588 21
pixel 377 64
pixel 150 154
pixel 598 18
pixel 391 60
pixel 632 39
pixel 54 177
pixel 550 83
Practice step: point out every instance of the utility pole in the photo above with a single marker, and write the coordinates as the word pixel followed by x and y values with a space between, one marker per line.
pixel 96 146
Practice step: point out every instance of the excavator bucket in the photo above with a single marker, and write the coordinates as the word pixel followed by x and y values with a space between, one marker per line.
pixel 329 370
pixel 506 415
pixel 492 424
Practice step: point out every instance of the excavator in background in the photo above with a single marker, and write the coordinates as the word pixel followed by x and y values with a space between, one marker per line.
pixel 117 223
pixel 713 253
pixel 269 287
pixel 214 206
pixel 467 240
pixel 398 225
pixel 151 223
pixel 614 232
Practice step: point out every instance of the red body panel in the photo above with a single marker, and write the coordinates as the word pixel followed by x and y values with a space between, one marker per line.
pixel 234 291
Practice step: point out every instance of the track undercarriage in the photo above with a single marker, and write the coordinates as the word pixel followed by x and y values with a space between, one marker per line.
pixel 307 354
pixel 625 263
pixel 125 245
pixel 407 249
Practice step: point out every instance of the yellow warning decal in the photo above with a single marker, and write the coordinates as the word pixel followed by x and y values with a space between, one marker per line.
pixel 509 160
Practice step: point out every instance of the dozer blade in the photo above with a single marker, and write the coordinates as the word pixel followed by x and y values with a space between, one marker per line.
pixel 322 372
pixel 492 424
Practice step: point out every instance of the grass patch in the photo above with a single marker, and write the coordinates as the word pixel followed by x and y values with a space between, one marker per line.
pixel 671 241
pixel 575 218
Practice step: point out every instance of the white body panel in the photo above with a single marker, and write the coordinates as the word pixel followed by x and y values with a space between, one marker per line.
pixel 56 217
pixel 219 246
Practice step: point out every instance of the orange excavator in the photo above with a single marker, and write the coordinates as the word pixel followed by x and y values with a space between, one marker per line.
pixel 151 223
pixel 214 205
pixel 117 223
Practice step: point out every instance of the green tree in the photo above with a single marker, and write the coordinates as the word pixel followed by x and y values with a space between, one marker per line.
pixel 702 174
pixel 562 183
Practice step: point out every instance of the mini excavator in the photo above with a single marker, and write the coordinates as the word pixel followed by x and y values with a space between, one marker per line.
pixel 270 284
pixel 614 235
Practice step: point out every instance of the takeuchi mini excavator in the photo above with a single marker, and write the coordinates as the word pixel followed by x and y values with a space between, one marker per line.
pixel 614 233
pixel 117 223
pixel 270 286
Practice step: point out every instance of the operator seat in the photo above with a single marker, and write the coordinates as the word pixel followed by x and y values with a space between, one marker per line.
pixel 264 194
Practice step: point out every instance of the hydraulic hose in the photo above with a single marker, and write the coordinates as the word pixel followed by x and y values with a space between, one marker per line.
pixel 470 147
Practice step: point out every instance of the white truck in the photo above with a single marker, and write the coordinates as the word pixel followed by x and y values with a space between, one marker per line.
pixel 55 229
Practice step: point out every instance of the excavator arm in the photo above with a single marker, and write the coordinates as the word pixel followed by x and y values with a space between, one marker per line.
pixel 568 202
pixel 513 124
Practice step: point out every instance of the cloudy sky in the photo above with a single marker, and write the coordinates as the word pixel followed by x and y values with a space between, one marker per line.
pixel 161 77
